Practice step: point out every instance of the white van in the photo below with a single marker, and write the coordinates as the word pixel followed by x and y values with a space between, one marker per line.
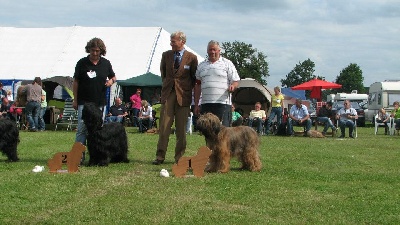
pixel 382 95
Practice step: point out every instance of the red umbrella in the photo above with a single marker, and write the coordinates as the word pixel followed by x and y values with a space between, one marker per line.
pixel 315 85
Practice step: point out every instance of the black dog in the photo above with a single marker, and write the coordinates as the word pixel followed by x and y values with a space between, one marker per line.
pixel 105 142
pixel 9 139
pixel 281 130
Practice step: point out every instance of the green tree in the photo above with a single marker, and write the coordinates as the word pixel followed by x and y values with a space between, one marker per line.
pixel 351 78
pixel 301 73
pixel 248 61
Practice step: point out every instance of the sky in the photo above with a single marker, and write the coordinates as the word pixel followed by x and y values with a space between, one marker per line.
pixel 333 34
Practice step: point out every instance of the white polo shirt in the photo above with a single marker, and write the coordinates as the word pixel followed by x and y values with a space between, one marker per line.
pixel 215 80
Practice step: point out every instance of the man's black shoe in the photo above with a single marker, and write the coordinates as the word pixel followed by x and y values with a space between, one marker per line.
pixel 158 162
pixel 341 136
pixel 351 136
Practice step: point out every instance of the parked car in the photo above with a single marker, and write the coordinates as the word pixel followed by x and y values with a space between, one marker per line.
pixel 360 111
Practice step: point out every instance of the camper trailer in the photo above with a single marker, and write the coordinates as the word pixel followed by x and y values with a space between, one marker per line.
pixel 382 95
pixel 330 98
pixel 353 96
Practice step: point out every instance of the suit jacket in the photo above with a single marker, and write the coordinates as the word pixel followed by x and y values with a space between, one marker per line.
pixel 182 79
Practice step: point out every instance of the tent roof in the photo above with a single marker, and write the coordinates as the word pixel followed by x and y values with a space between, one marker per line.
pixel 145 80
pixel 49 52
pixel 250 91
pixel 250 86
pixel 64 81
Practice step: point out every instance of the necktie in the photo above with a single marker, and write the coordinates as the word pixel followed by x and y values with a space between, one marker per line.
pixel 177 62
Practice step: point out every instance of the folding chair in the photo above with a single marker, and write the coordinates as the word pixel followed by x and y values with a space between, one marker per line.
pixel 69 117
pixel 154 113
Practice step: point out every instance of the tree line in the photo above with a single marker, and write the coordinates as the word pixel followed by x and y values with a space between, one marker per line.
pixel 251 63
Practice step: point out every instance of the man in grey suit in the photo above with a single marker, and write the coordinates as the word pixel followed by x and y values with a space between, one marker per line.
pixel 178 68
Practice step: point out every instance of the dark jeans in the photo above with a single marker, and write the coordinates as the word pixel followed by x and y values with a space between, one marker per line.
pixel 41 123
pixel 145 124
pixel 306 124
pixel 397 122
pixel 32 114
pixel 256 122
pixel 238 122
pixel 346 123
pixel 135 113
pixel 222 111
pixel 275 111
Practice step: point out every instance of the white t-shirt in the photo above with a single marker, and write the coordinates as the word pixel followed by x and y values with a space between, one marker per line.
pixel 215 80
pixel 148 112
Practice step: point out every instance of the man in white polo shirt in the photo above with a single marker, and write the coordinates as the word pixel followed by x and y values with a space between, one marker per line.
pixel 216 79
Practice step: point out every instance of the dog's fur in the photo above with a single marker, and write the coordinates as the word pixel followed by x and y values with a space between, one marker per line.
pixel 9 139
pixel 71 158
pixel 197 163
pixel 224 142
pixel 106 143
pixel 315 134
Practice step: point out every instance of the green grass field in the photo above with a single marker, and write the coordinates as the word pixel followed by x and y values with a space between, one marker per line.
pixel 303 181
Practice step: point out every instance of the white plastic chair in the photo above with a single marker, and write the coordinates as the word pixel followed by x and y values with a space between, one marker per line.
pixel 388 124
pixel 392 126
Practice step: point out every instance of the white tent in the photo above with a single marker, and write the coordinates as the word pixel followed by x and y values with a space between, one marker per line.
pixel 48 52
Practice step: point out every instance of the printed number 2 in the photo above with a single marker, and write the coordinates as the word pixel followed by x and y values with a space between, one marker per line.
pixel 64 158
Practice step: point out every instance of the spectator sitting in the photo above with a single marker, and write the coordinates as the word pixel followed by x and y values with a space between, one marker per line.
pixel 16 112
pixel 396 114
pixel 383 117
pixel 117 112
pixel 257 117
pixel 10 96
pixel 5 109
pixel 237 119
pixel 145 117
pixel 346 117
pixel 299 116
pixel 324 116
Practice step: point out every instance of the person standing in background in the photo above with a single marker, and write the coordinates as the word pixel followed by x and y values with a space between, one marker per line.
pixel 277 109
pixel 34 98
pixel 43 106
pixel 136 104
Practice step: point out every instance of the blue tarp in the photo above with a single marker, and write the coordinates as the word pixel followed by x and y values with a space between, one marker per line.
pixel 10 85
pixel 294 93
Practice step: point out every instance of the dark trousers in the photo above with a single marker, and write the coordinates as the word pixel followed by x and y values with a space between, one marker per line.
pixel 222 111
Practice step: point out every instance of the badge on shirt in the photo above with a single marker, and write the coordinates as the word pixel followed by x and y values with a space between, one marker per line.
pixel 91 74
pixel 186 67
